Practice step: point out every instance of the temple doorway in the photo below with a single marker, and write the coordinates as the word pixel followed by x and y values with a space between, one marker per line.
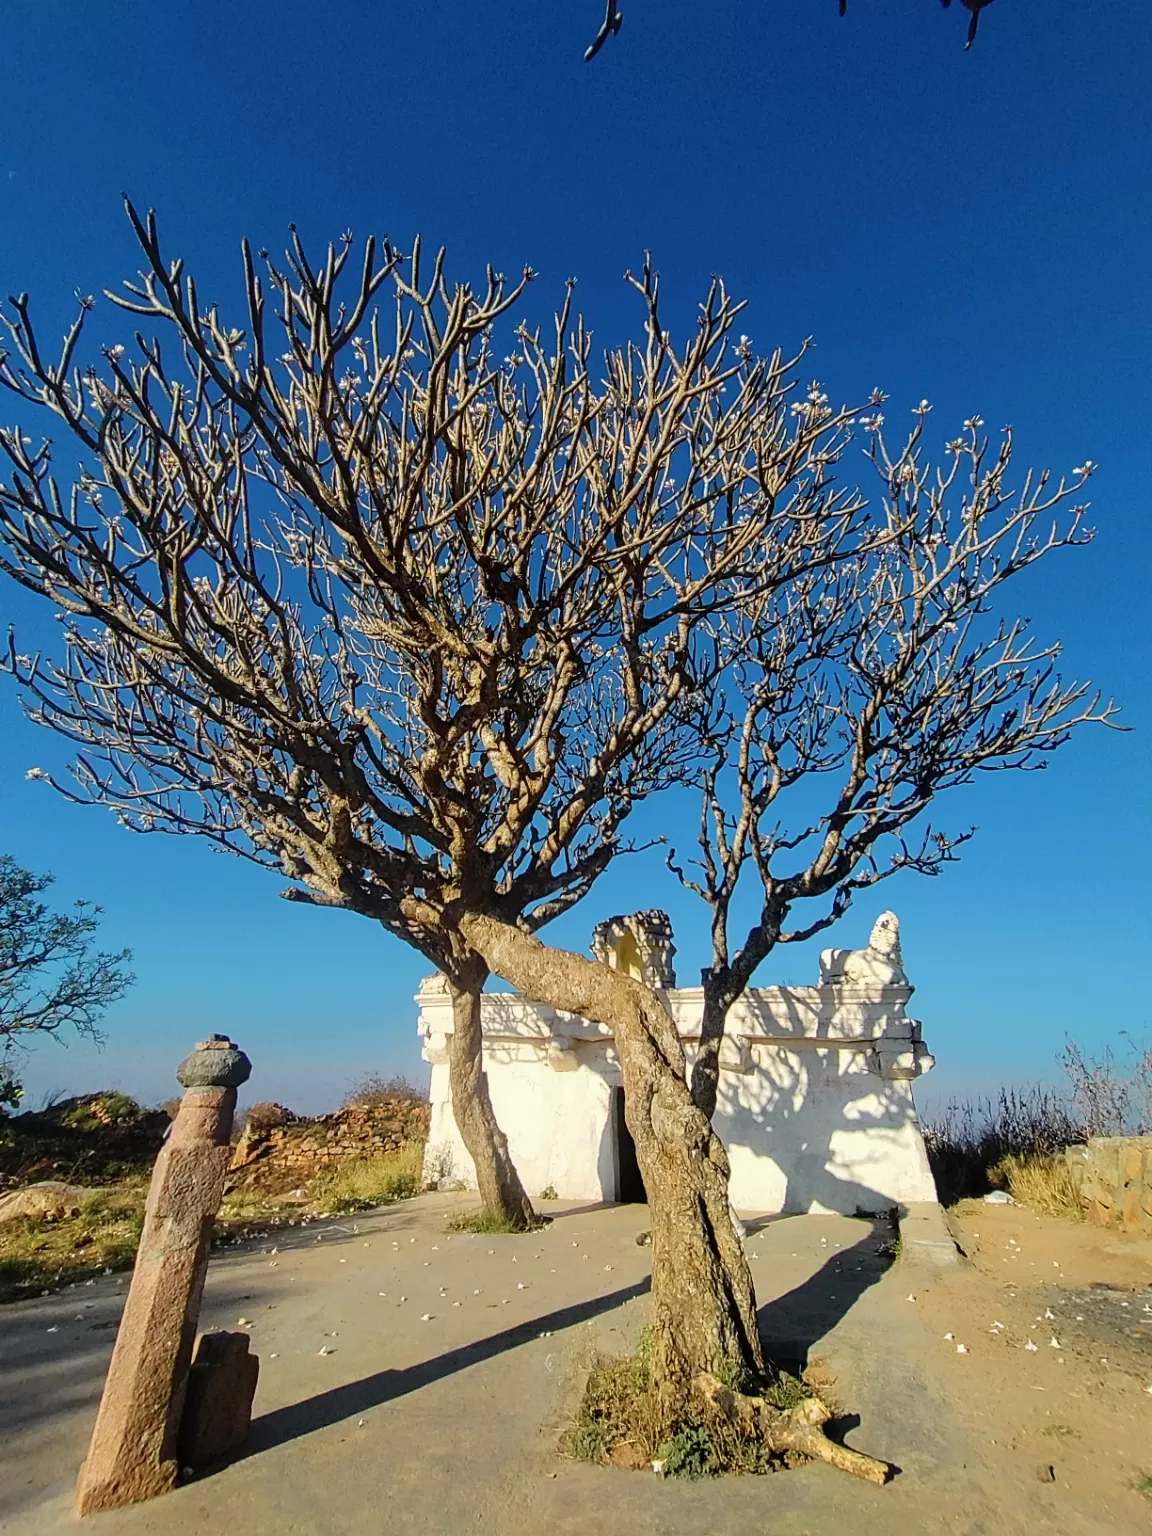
pixel 629 1184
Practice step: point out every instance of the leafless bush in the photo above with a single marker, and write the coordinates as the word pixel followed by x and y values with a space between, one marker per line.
pixel 1112 1093
pixel 266 1116
pixel 375 1088
pixel 968 1138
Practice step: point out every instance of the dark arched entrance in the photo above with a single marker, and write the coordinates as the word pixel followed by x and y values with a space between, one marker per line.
pixel 629 1185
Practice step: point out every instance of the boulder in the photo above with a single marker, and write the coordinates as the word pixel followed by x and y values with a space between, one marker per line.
pixel 48 1201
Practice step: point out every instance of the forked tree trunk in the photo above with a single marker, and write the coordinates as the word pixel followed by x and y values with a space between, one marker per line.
pixel 496 1177
pixel 703 1319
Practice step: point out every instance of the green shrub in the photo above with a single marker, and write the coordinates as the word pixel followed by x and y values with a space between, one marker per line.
pixel 688 1454
pixel 100 1109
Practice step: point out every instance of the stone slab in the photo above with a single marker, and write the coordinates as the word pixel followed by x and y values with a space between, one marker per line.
pixel 218 1400
pixel 925 1237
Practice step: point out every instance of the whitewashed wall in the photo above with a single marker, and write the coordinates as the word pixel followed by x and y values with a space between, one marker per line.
pixel 815 1103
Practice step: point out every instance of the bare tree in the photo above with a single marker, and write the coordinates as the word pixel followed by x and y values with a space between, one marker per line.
pixel 868 689
pixel 614 19
pixel 420 625
pixel 51 979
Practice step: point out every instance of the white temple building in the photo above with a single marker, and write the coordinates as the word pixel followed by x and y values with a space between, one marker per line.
pixel 815 1098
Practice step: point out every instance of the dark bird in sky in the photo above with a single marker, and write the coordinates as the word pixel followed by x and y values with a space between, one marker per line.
pixel 609 27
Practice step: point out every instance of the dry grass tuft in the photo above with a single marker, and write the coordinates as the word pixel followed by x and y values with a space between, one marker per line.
pixel 37 1255
pixel 620 1423
pixel 357 1184
pixel 1044 1183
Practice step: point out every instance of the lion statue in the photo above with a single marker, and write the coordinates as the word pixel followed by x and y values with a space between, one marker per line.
pixel 878 965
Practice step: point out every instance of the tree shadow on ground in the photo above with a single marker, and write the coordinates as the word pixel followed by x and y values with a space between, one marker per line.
pixel 792 1324
pixel 356 1397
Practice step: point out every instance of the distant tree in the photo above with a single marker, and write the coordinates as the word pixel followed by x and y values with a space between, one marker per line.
pixel 614 18
pixel 419 617
pixel 50 978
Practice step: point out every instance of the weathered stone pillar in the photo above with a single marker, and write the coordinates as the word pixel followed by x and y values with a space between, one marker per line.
pixel 133 1451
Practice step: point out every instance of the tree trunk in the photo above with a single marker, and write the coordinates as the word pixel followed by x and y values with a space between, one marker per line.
pixel 703 1305
pixel 706 1068
pixel 496 1177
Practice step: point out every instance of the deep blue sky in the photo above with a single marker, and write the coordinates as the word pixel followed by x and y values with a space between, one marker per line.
pixel 973 228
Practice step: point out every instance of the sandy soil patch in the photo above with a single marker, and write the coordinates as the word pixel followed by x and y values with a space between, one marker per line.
pixel 1047 1333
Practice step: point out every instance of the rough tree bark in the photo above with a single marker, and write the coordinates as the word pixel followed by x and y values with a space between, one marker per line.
pixel 496 1177
pixel 703 1319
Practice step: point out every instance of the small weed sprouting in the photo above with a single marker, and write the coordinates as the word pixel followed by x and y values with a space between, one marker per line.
pixel 549 1192
pixel 786 1392
pixel 1143 1484
pixel 588 1440
pixel 616 1408
pixel 689 1454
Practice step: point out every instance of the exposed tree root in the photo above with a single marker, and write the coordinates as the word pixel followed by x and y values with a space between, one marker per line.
pixel 797 1429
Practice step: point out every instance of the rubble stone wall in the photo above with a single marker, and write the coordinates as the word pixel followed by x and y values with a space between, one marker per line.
pixel 1114 1177
pixel 291 1153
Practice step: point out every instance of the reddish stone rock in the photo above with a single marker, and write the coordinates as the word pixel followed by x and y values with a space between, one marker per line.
pixel 218 1400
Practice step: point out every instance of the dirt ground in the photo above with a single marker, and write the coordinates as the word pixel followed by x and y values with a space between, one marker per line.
pixel 414 1381
pixel 1075 1408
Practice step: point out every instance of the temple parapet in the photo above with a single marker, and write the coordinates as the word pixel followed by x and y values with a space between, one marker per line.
pixel 800 1067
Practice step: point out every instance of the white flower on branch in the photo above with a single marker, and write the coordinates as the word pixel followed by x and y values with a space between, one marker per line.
pixel 36 773
pixel 1085 469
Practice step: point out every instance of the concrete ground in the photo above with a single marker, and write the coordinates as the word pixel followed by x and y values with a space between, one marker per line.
pixel 412 1381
